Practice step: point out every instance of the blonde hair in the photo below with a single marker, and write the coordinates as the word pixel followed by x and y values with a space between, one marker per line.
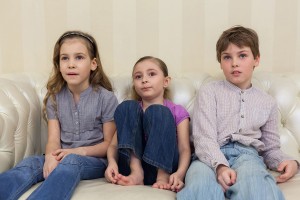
pixel 56 82
pixel 162 65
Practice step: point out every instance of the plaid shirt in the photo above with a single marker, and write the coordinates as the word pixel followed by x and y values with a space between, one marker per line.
pixel 224 113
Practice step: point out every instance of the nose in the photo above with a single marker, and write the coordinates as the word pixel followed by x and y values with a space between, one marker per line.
pixel 144 80
pixel 234 62
pixel 71 65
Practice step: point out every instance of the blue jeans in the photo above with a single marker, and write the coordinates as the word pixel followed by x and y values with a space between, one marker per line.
pixel 150 135
pixel 61 182
pixel 253 180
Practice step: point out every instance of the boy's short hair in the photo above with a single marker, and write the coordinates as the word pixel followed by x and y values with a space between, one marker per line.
pixel 239 36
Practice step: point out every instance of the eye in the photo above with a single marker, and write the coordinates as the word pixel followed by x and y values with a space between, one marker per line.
pixel 226 57
pixel 64 58
pixel 137 77
pixel 79 57
pixel 243 55
pixel 152 74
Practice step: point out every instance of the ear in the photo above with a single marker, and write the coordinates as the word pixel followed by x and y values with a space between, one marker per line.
pixel 94 64
pixel 256 61
pixel 167 81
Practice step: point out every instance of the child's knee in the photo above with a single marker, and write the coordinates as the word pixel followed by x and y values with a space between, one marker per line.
pixel 34 162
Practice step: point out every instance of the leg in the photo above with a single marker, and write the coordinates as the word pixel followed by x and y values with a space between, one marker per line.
pixel 253 180
pixel 128 118
pixel 200 183
pixel 16 181
pixel 63 180
pixel 161 150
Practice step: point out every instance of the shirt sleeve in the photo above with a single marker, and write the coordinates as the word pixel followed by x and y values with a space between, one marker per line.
pixel 50 108
pixel 205 129
pixel 272 154
pixel 109 106
pixel 181 114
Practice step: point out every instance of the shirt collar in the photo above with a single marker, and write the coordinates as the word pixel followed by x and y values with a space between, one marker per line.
pixel 236 88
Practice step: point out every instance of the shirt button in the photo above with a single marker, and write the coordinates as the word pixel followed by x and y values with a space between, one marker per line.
pixel 76 122
pixel 242 116
pixel 240 130
pixel 242 92
pixel 243 100
pixel 75 113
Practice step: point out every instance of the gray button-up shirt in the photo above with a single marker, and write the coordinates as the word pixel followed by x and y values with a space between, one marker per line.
pixel 224 113
pixel 82 124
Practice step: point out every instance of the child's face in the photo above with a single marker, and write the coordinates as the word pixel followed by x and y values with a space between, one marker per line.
pixel 149 81
pixel 75 63
pixel 238 65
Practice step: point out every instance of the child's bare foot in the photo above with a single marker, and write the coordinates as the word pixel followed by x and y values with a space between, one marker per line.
pixel 162 180
pixel 133 179
pixel 136 176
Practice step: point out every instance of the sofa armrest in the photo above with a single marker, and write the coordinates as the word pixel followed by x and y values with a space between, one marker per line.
pixel 20 119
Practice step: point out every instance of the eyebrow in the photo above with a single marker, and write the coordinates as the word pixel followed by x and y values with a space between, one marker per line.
pixel 146 71
pixel 242 51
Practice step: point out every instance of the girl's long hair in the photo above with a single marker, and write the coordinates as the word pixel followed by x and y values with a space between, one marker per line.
pixel 56 81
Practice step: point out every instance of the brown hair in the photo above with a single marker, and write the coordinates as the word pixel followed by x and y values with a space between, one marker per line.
pixel 162 65
pixel 56 82
pixel 239 36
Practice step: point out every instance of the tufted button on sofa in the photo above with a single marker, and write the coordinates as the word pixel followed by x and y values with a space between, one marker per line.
pixel 23 131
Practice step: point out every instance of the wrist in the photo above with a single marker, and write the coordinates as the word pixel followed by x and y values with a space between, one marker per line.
pixel 221 168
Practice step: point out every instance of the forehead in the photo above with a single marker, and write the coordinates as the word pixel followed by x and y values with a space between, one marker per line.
pixel 145 66
pixel 232 48
pixel 73 44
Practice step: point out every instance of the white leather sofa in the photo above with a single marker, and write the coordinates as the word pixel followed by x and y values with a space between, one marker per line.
pixel 23 132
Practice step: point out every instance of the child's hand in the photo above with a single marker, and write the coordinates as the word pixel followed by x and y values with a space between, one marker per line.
pixel 111 173
pixel 175 182
pixel 288 168
pixel 226 176
pixel 49 165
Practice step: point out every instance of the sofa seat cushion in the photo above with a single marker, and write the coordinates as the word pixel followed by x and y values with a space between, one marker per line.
pixel 100 189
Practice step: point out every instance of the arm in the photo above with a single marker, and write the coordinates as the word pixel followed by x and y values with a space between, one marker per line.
pixel 176 179
pixel 98 150
pixel 273 156
pixel 271 153
pixel 111 172
pixel 53 143
pixel 205 132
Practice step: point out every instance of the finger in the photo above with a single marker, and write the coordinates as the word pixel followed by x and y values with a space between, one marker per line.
pixel 282 166
pixel 179 186
pixel 56 152
pixel 171 180
pixel 232 178
pixel 60 156
pixel 223 184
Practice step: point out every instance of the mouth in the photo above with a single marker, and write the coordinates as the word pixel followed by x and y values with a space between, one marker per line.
pixel 236 73
pixel 72 74
pixel 146 88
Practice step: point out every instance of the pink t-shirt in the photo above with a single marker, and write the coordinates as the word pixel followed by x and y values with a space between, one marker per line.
pixel 179 112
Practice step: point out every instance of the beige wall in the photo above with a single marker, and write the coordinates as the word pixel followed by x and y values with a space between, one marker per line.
pixel 181 32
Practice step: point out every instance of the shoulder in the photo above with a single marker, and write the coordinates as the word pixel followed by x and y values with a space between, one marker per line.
pixel 175 108
pixel 263 96
pixel 101 91
pixel 212 86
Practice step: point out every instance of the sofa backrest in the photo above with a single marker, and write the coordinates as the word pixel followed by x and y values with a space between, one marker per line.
pixel 23 132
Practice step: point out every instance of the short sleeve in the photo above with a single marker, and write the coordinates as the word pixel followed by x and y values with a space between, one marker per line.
pixel 109 106
pixel 180 114
pixel 50 108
